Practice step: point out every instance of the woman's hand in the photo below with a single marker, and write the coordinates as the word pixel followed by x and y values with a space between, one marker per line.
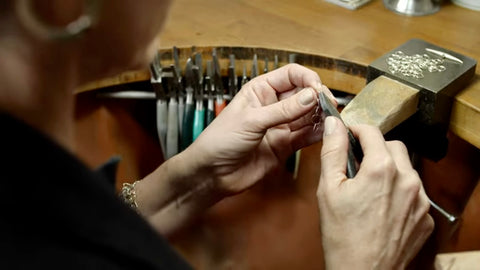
pixel 379 219
pixel 267 121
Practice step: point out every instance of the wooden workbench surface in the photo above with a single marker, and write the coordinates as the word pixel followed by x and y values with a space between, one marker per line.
pixel 320 28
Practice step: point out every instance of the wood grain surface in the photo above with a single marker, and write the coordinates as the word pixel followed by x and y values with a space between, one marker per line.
pixel 384 103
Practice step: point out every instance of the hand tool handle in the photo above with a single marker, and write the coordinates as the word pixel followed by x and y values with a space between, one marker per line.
pixel 220 104
pixel 162 119
pixel 210 116
pixel 351 164
pixel 210 111
pixel 172 128
pixel 198 123
pixel 187 130
pixel 181 110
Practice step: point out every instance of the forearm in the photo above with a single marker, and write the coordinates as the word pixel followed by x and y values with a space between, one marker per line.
pixel 175 193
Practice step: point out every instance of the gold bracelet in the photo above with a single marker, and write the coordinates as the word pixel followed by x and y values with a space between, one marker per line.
pixel 128 195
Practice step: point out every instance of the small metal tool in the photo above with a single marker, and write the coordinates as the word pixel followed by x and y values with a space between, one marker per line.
pixel 128 94
pixel 330 110
pixel 156 68
pixel 452 219
pixel 176 62
pixel 198 62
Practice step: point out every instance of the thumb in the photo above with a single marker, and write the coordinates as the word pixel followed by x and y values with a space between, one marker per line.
pixel 334 152
pixel 287 110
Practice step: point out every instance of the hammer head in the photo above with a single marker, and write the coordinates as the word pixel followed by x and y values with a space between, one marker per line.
pixel 437 87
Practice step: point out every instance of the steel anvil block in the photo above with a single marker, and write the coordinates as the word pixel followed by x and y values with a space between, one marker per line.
pixel 413 84
pixel 436 88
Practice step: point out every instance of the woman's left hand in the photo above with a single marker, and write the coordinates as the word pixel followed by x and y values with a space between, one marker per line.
pixel 267 121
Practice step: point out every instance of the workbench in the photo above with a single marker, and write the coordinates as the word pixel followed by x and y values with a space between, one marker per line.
pixel 321 28
pixel 275 225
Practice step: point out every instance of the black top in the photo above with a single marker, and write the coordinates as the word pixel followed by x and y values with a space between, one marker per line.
pixel 55 213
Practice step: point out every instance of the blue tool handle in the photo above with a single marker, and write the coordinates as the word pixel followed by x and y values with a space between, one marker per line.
pixel 162 114
pixel 351 163
pixel 210 116
pixel 172 128
pixel 187 130
pixel 198 123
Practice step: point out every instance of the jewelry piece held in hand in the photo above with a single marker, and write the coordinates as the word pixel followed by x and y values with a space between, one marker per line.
pixel 317 116
pixel 128 195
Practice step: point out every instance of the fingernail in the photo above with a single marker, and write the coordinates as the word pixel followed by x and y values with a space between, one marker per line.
pixel 306 98
pixel 330 125
pixel 318 87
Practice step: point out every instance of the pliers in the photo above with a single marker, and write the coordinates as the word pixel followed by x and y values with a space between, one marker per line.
pixel 210 90
pixel 161 97
pixel 187 123
pixel 199 117
pixel 173 114
pixel 232 78
pixel 220 102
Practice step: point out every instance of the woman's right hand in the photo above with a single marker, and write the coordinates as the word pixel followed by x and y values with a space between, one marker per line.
pixel 379 219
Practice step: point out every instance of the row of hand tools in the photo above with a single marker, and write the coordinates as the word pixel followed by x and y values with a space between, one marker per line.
pixel 182 94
